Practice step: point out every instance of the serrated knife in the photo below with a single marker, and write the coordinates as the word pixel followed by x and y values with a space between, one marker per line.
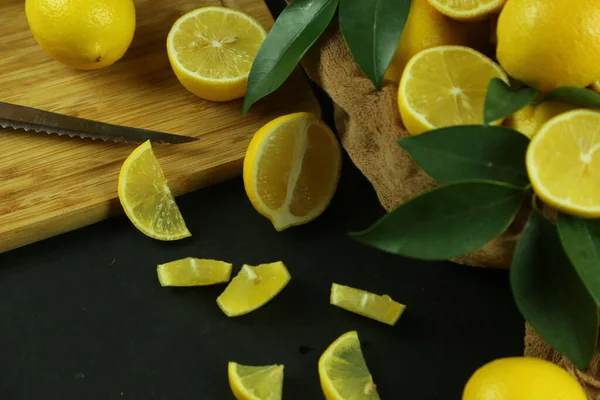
pixel 33 119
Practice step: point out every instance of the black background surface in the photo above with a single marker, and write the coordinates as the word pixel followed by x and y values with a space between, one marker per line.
pixel 82 315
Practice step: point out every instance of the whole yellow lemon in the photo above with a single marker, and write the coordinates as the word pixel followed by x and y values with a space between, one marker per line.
pixel 550 43
pixel 425 27
pixel 522 378
pixel 82 34
pixel 530 119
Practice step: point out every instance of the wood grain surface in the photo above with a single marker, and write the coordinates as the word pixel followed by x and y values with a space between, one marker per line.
pixel 50 184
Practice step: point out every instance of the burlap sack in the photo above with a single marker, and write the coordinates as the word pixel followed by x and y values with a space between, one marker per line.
pixel 368 124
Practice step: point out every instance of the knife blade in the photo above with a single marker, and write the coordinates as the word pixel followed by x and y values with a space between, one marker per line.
pixel 33 119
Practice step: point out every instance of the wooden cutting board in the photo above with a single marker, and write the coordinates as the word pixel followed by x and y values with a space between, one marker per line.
pixel 51 184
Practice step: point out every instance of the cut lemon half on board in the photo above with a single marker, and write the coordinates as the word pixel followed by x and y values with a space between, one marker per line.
pixel 193 272
pixel 445 86
pixel 256 382
pixel 146 197
pixel 380 308
pixel 291 169
pixel 344 373
pixel 467 10
pixel 253 287
pixel 211 50
pixel 563 162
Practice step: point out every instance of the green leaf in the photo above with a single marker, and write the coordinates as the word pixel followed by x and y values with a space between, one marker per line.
pixel 470 152
pixel 296 29
pixel 575 95
pixel 581 240
pixel 501 101
pixel 550 294
pixel 446 222
pixel 372 29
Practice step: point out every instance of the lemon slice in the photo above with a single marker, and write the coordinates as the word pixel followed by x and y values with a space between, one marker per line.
pixel 193 272
pixel 211 50
pixel 370 305
pixel 291 169
pixel 445 86
pixel 344 373
pixel 563 163
pixel 468 10
pixel 256 382
pixel 146 197
pixel 253 287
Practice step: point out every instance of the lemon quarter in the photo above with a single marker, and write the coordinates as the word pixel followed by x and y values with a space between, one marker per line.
pixel 146 197
pixel 211 50
pixel 250 382
pixel 380 308
pixel 292 168
pixel 344 373
pixel 193 272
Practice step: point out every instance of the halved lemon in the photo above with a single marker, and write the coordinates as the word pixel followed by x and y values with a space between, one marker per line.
pixel 380 308
pixel 445 86
pixel 193 272
pixel 344 373
pixel 253 287
pixel 250 382
pixel 563 163
pixel 468 10
pixel 291 169
pixel 146 197
pixel 211 50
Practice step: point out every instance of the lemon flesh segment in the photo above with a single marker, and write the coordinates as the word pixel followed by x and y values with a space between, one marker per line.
pixel 291 169
pixel 193 272
pixel 253 287
pixel 468 10
pixel 380 308
pixel 250 382
pixel 445 86
pixel 211 50
pixel 563 163
pixel 146 197
pixel 344 373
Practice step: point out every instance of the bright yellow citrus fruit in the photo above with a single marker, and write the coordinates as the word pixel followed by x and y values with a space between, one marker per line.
pixel 563 163
pixel 549 44
pixel 344 373
pixel 253 287
pixel 250 382
pixel 522 378
pixel 291 169
pixel 193 272
pixel 82 34
pixel 445 86
pixel 425 27
pixel 530 119
pixel 211 50
pixel 370 305
pixel 596 86
pixel 468 10
pixel 146 197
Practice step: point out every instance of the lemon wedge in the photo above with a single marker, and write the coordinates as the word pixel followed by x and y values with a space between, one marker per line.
pixel 193 272
pixel 445 86
pixel 146 197
pixel 249 382
pixel 253 287
pixel 468 10
pixel 291 169
pixel 563 163
pixel 211 50
pixel 370 305
pixel 344 373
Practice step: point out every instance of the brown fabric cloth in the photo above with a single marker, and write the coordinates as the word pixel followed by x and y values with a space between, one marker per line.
pixel 589 379
pixel 368 123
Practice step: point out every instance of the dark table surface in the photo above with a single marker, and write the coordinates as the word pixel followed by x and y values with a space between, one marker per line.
pixel 82 315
